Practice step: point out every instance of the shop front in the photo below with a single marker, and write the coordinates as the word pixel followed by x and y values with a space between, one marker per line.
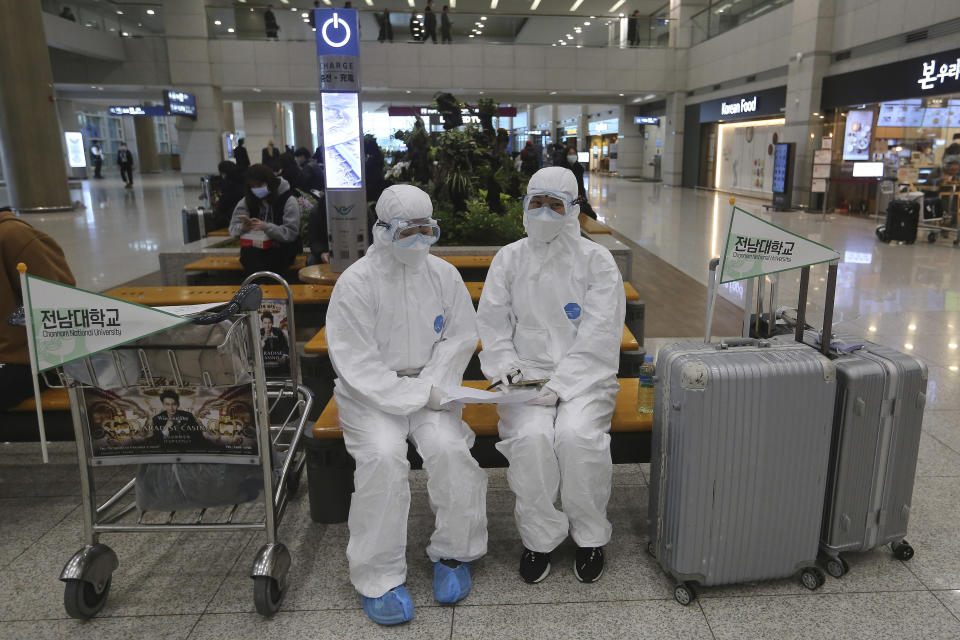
pixel 603 144
pixel 895 128
pixel 734 139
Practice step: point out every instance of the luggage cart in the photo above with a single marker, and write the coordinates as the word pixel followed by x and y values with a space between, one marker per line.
pixel 278 411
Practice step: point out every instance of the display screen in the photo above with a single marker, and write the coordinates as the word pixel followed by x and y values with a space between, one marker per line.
pixel 867 169
pixel 953 113
pixel 935 117
pixel 902 113
pixel 75 154
pixel 856 140
pixel 781 157
pixel 179 103
pixel 341 140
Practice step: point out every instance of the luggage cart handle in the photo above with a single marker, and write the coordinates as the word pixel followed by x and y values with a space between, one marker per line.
pixel 18 318
pixel 247 298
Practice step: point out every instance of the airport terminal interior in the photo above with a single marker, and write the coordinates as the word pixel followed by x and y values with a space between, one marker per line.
pixel 832 125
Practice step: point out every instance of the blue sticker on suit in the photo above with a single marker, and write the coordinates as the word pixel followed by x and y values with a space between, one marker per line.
pixel 572 310
pixel 438 324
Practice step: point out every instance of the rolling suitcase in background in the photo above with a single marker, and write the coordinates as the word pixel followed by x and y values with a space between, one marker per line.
pixel 876 439
pixel 903 218
pixel 741 442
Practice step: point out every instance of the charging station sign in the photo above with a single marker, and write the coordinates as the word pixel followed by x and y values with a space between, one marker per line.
pixel 338 49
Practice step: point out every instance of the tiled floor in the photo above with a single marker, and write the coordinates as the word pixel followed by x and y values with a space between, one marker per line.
pixel 197 586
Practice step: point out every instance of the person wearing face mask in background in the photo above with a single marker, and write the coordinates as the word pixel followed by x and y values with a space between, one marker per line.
pixel 553 308
pixel 267 221
pixel 400 326
pixel 571 162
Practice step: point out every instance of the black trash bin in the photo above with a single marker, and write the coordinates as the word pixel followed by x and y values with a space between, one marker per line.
pixel 329 479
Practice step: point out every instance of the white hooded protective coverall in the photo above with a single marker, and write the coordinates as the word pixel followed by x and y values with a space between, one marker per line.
pixel 556 310
pixel 387 318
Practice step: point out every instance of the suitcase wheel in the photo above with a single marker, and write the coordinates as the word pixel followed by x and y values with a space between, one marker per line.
pixel 903 550
pixel 837 567
pixel 882 234
pixel 812 578
pixel 685 593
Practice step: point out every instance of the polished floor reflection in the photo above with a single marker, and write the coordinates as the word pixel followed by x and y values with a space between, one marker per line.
pixel 197 586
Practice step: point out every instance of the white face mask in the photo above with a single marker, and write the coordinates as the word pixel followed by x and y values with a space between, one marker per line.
pixel 413 255
pixel 542 224
pixel 571 159
pixel 260 192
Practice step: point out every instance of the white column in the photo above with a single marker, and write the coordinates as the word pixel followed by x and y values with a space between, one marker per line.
pixel 672 132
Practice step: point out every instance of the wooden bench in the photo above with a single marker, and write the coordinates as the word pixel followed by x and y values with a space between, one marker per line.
pixel 219 233
pixel 318 344
pixel 474 266
pixel 232 263
pixel 330 468
pixel 302 293
pixel 589 225
pixel 50 399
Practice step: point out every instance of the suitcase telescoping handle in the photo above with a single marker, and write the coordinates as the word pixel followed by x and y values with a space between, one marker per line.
pixel 827 307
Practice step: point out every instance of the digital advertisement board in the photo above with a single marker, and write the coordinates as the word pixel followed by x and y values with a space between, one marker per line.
pixel 859 131
pixel 179 103
pixel 341 140
pixel 75 153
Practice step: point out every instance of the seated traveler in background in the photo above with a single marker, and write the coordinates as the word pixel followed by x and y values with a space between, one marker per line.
pixel 310 177
pixel 552 308
pixel 267 221
pixel 401 326
pixel 231 189
pixel 19 242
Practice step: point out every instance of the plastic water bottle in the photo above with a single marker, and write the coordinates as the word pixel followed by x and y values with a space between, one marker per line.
pixel 645 390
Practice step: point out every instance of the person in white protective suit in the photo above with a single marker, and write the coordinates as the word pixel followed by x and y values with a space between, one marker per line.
pixel 553 307
pixel 400 327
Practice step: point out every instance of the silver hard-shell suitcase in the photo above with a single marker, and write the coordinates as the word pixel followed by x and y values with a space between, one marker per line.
pixel 876 438
pixel 741 440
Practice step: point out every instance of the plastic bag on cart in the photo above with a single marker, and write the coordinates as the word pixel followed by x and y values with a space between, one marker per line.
pixel 185 486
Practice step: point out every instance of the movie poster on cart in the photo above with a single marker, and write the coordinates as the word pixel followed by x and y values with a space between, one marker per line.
pixel 138 421
pixel 275 339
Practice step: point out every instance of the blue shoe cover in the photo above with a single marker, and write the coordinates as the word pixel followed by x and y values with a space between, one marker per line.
pixel 393 607
pixel 451 585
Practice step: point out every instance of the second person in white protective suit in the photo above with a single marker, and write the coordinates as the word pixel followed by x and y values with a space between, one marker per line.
pixel 553 307
pixel 400 326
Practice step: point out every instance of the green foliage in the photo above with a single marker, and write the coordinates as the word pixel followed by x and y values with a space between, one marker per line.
pixel 479 225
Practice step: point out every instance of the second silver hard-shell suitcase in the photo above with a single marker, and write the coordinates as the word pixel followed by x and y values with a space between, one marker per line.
pixel 741 441
pixel 873 460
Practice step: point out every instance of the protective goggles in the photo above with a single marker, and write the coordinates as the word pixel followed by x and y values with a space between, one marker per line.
pixel 405 232
pixel 558 203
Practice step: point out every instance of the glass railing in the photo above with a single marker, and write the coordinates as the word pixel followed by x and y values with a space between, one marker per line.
pixel 116 18
pixel 244 22
pixel 723 15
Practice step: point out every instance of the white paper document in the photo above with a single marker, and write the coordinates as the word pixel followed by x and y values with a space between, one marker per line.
pixel 468 395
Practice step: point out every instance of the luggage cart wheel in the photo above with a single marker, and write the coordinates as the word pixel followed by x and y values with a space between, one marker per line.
pixel 685 593
pixel 266 595
pixel 812 578
pixel 932 237
pixel 83 600
pixel 903 551
pixel 837 567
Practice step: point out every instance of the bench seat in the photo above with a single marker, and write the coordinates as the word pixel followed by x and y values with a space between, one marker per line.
pixel 482 418
pixel 50 399
pixel 232 263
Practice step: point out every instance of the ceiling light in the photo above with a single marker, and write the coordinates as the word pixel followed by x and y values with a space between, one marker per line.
pixel 473 36
pixel 327 2
pixel 579 46
pixel 304 15
pixel 369 2
pixel 586 23
pixel 536 3
pixel 119 13
pixel 649 95
pixel 873 329
pixel 552 45
pixel 912 327
pixel 453 4
pixel 230 29
pixel 620 94
pixel 151 12
pixel 593 17
pixel 408 91
pixel 419 16
pixel 954 368
pixel 294 9
pixel 576 5
pixel 125 34
pixel 483 17
pixel 494 3
pixel 217 22
pixel 617 6
pixel 952 345
pixel 306 21
pixel 553 93
pixel 411 3
pixel 255 90
pixel 908 346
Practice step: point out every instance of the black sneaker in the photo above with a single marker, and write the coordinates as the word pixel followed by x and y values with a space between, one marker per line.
pixel 534 566
pixel 588 565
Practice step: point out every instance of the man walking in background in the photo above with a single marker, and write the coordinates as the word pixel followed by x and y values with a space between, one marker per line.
pixel 125 162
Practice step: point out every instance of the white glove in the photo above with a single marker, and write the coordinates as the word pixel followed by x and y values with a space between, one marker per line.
pixel 547 398
pixel 437 399
pixel 509 377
